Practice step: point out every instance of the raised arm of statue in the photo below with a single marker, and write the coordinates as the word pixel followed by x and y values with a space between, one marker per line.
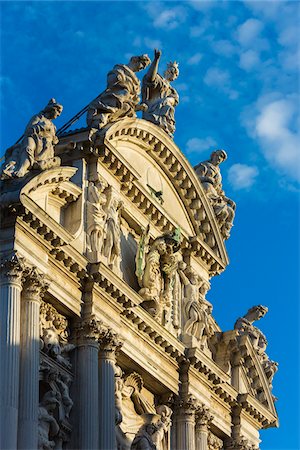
pixel 153 69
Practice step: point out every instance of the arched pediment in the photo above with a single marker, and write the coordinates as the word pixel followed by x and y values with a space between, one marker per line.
pixel 52 195
pixel 142 148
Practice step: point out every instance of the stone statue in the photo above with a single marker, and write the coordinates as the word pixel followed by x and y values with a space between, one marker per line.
pixel 54 334
pixel 196 309
pixel 160 97
pixel 121 96
pixel 112 243
pixel 144 439
pixel 48 427
pixel 131 406
pixel 259 341
pixel 96 216
pixel 36 148
pixel 156 267
pixel 161 437
pixel 64 385
pixel 210 177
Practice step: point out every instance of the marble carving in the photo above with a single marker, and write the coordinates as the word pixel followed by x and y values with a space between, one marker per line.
pixel 36 147
pixel 121 96
pixel 210 177
pixel 160 97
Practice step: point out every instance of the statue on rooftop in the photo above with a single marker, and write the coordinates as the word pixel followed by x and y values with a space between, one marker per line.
pixel 36 147
pixel 259 341
pixel 160 97
pixel 210 177
pixel 121 96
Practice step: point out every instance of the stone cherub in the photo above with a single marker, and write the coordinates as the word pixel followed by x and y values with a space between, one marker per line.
pixel 121 96
pixel 36 147
pixel 259 341
pixel 210 177
pixel 160 97
pixel 196 309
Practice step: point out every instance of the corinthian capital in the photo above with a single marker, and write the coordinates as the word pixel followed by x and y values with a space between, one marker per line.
pixel 203 415
pixel 109 340
pixel 11 268
pixel 34 283
pixel 89 330
pixel 188 405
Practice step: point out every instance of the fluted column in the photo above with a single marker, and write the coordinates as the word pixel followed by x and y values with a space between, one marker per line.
pixel 186 423
pixel 33 289
pixel 109 343
pixel 88 332
pixel 10 294
pixel 202 418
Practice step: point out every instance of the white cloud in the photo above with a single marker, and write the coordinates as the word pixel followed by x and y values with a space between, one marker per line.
pixel 170 18
pixel 198 145
pixel 249 59
pixel 279 139
pixel 242 176
pixel 220 79
pixel 195 59
pixel 223 47
pixel 249 31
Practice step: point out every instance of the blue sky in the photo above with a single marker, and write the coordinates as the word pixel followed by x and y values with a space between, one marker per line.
pixel 239 90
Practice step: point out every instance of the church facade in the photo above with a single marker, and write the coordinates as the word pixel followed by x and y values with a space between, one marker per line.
pixel 109 240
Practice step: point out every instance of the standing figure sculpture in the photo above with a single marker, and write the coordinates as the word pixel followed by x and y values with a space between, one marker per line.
pixel 160 97
pixel 210 177
pixel 121 96
pixel 36 148
pixel 96 216
pixel 156 267
pixel 112 244
pixel 245 327
pixel 196 309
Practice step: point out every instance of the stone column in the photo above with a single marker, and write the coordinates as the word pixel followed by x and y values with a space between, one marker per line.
pixel 10 295
pixel 109 343
pixel 88 332
pixel 202 418
pixel 33 288
pixel 186 423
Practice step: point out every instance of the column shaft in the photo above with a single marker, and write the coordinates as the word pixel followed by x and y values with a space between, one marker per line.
pixel 201 437
pixel 107 410
pixel 29 369
pixel 88 429
pixel 10 292
pixel 186 432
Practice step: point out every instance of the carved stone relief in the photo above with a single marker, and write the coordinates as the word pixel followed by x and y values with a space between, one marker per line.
pixel 96 218
pixel 213 442
pixel 156 270
pixel 55 380
pixel 196 309
pixel 138 422
pixel 35 150
pixel 210 177
pixel 159 96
